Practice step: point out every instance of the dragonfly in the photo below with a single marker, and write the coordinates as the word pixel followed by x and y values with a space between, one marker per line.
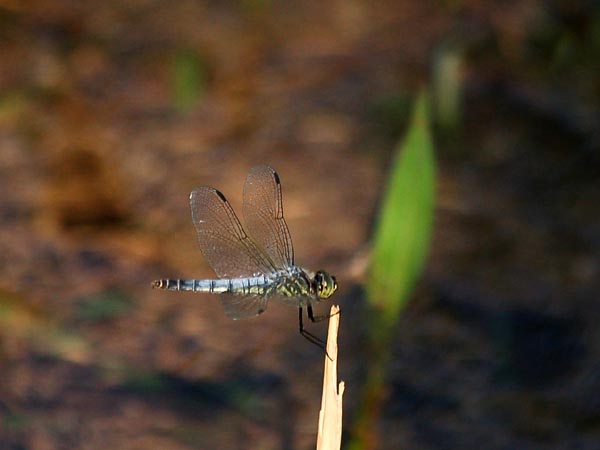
pixel 257 265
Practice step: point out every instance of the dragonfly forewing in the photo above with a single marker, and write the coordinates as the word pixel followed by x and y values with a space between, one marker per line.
pixel 223 242
pixel 263 215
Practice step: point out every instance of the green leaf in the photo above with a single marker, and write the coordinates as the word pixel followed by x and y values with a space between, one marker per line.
pixel 404 226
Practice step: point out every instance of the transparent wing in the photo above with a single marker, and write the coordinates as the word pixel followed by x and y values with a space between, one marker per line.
pixel 263 215
pixel 243 306
pixel 296 301
pixel 223 241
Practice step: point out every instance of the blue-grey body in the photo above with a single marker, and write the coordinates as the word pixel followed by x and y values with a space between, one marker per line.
pixel 293 285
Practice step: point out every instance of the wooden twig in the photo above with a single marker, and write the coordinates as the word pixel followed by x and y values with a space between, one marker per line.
pixel 330 416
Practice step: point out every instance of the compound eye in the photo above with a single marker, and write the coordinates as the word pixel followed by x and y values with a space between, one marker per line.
pixel 325 284
pixel 320 282
pixel 321 286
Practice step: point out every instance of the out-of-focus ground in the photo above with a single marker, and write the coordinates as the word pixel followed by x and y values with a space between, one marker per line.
pixel 100 146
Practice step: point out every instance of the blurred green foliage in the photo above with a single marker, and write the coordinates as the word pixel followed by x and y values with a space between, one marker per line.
pixel 190 76
pixel 256 5
pixel 22 322
pixel 447 89
pixel 145 382
pixel 103 306
pixel 389 112
pixel 15 421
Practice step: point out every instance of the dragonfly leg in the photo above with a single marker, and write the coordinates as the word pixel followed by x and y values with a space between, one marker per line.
pixel 320 318
pixel 307 335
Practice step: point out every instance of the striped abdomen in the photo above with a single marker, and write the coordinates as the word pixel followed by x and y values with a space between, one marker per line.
pixel 248 285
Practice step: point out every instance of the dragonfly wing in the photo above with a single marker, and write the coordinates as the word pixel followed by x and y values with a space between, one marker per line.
pixel 299 301
pixel 263 215
pixel 243 306
pixel 223 241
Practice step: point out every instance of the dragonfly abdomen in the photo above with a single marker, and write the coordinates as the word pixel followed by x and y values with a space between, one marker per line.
pixel 248 285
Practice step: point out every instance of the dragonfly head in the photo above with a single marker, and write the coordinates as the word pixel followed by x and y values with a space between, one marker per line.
pixel 325 284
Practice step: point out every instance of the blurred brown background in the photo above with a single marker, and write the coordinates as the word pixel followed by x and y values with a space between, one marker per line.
pixel 111 112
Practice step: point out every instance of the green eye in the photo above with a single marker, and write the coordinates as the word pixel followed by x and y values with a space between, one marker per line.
pixel 325 284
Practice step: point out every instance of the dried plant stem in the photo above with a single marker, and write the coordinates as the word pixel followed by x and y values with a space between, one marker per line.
pixel 330 416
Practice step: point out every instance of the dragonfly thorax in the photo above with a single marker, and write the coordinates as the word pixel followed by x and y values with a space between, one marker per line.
pixel 299 283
